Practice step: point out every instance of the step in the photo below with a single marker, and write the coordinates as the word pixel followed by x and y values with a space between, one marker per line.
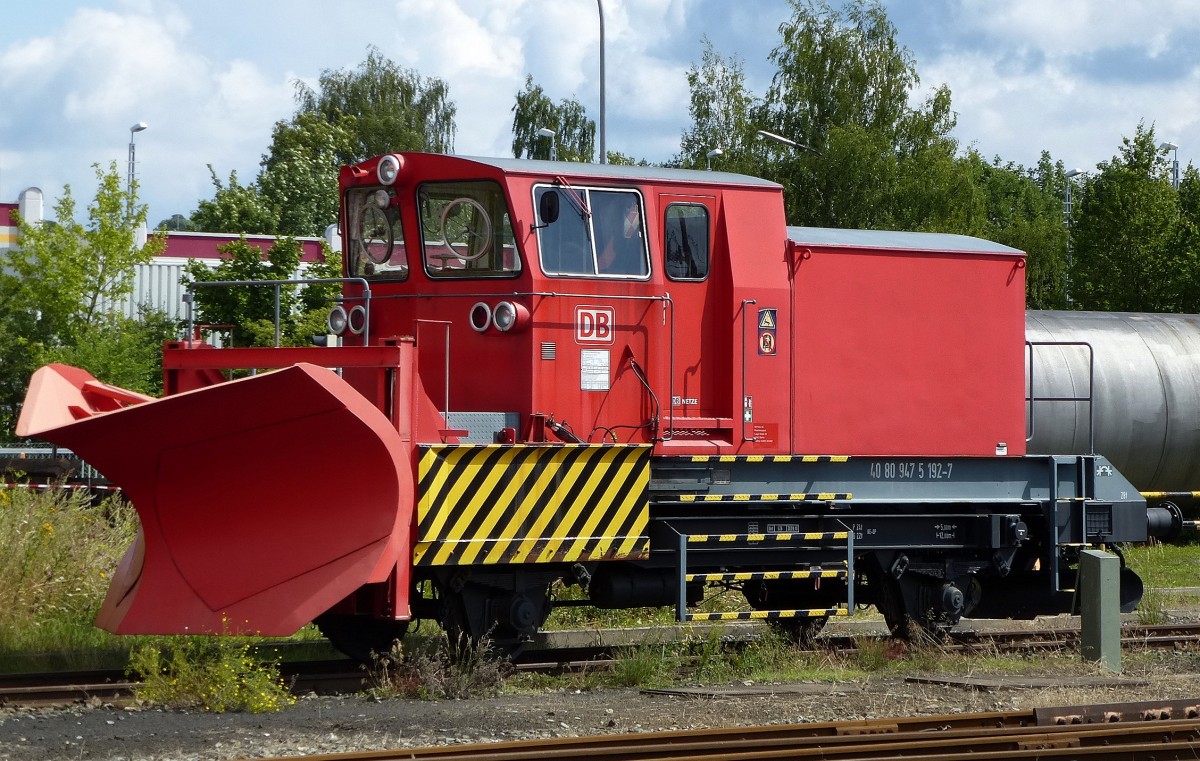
pixel 819 573
pixel 767 615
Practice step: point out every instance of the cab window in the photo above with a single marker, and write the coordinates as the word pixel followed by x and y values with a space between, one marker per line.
pixel 598 232
pixel 376 247
pixel 686 241
pixel 466 230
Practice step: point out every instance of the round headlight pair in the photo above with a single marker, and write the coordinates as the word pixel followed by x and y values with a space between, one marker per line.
pixel 505 317
pixel 339 320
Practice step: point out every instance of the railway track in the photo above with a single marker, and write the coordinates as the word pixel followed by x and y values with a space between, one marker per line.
pixel 1150 730
pixel 332 677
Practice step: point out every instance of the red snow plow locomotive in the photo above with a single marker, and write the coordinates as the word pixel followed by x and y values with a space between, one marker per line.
pixel 632 379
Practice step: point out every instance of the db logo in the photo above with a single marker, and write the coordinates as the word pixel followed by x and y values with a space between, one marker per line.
pixel 594 325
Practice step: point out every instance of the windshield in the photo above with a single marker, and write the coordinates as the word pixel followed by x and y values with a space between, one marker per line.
pixel 376 240
pixel 466 229
pixel 597 232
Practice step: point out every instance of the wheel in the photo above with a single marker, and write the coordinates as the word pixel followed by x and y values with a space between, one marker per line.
pixel 504 619
pixel 361 638
pixel 889 600
pixel 799 631
pixel 775 594
pixel 462 220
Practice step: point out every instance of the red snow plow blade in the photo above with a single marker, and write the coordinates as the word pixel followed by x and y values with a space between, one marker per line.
pixel 249 522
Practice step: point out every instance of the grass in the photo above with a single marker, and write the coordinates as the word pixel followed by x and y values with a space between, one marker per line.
pixel 1166 565
pixel 56 561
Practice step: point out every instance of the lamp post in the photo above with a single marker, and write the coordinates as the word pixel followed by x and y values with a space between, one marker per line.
pixel 708 157
pixel 787 141
pixel 1067 208
pixel 547 132
pixel 1169 146
pixel 603 150
pixel 132 163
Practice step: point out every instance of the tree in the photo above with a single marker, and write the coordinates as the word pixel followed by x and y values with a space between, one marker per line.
pixel 299 180
pixel 235 208
pixel 351 116
pixel 1125 234
pixel 394 109
pixel 250 310
pixel 575 134
pixel 724 116
pixel 842 91
pixel 1024 209
pixel 56 288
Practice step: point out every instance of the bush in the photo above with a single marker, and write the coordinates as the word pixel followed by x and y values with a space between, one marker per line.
pixel 212 673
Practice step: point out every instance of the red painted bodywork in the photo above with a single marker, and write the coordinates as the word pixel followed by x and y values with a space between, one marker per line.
pixel 269 500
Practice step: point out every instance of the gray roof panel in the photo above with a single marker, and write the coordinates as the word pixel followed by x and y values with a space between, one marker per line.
pixel 621 172
pixel 897 240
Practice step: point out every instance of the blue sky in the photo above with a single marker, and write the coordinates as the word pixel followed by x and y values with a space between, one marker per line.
pixel 211 78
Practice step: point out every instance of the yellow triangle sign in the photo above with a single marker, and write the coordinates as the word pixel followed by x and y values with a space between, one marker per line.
pixel 766 319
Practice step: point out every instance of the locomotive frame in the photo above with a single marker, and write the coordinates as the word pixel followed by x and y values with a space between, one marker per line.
pixel 633 379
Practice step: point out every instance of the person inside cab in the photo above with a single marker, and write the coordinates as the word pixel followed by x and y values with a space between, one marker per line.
pixel 620 249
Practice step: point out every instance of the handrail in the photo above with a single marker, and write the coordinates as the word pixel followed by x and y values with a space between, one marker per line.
pixel 1031 399
pixel 277 285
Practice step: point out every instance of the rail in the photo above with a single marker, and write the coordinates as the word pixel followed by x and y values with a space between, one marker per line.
pixel 277 285
pixel 1031 399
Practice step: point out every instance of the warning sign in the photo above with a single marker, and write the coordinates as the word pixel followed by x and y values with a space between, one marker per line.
pixel 767 347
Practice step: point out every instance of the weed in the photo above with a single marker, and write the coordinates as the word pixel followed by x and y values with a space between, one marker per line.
pixel 213 673
pixel 434 669
pixel 645 664
pixel 1153 607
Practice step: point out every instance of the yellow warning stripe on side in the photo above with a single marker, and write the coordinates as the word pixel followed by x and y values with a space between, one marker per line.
pixel 532 504
pixel 823 496
pixel 771 458
pixel 811 536
pixel 758 615
pixel 765 575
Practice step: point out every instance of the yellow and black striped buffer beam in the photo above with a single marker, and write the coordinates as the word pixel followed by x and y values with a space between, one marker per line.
pixel 490 504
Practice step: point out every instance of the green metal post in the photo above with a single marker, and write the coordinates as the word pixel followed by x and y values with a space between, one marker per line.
pixel 1100 608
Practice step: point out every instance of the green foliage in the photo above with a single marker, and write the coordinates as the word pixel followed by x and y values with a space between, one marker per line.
pixel 235 208
pixel 394 109
pixel 724 116
pixel 250 310
pixel 299 181
pixel 212 673
pixel 57 558
pixel 1132 245
pixel 55 288
pixel 122 351
pixel 575 138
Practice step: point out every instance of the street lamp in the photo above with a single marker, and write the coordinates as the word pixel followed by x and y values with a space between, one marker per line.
pixel 787 141
pixel 603 150
pixel 547 132
pixel 129 177
pixel 1169 146
pixel 708 157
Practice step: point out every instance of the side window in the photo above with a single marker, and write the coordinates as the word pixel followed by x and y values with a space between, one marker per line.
pixel 686 244
pixel 597 232
pixel 620 243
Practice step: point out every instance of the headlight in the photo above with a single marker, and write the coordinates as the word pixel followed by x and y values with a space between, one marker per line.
pixel 337 320
pixel 504 317
pixel 388 169
pixel 480 317
pixel 358 319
